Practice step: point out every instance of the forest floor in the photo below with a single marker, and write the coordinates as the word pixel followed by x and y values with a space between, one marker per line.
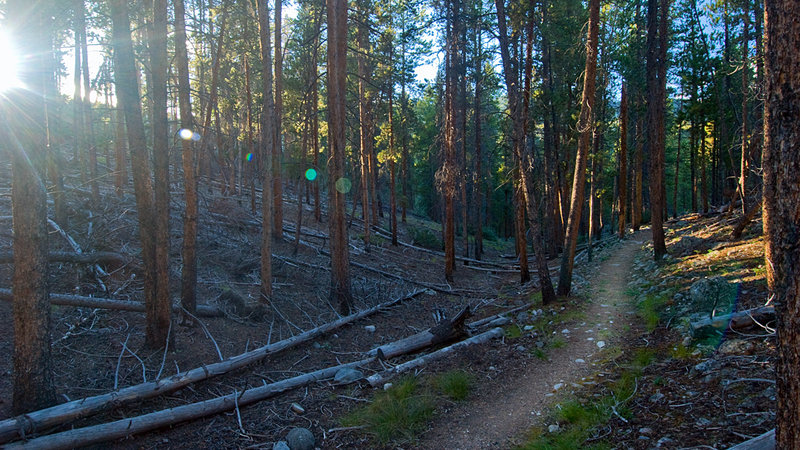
pixel 548 356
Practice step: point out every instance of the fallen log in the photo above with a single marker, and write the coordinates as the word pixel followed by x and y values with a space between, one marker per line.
pixel 736 321
pixel 380 378
pixel 75 258
pixel 119 429
pixel 502 315
pixel 764 442
pixel 107 303
pixel 445 331
pixel 20 426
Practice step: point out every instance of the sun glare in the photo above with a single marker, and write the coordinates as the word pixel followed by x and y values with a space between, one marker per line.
pixel 8 61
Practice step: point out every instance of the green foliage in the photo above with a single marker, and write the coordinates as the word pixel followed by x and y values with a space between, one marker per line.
pixel 425 238
pixel 397 413
pixel 649 308
pixel 455 384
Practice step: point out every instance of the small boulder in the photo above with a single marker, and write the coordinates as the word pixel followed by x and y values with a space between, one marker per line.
pixel 300 439
pixel 280 445
pixel 737 347
pixel 347 376
pixel 714 292
pixel 553 428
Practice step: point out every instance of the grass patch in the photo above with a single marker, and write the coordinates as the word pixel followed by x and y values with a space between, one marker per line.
pixel 558 342
pixel 513 331
pixel 397 413
pixel 578 419
pixel 649 310
pixel 455 384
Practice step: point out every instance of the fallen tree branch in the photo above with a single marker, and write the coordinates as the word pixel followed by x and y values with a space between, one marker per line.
pixel 445 331
pixel 764 442
pixel 736 321
pixel 75 258
pixel 380 378
pixel 107 303
pixel 17 427
pixel 134 425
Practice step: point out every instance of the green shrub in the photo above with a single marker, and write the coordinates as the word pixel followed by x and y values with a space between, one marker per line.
pixel 425 238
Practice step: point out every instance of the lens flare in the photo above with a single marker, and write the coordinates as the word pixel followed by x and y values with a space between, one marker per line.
pixel 8 58
pixel 249 157
pixel 311 174
pixel 185 134
pixel 343 185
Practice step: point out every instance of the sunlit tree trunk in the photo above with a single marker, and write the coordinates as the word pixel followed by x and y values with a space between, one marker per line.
pixel 277 146
pixel 265 155
pixel 340 292
pixel 128 95
pixel 518 144
pixel 365 122
pixel 585 128
pixel 24 134
pixel 188 251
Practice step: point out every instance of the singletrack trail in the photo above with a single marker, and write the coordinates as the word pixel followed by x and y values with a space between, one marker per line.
pixel 506 405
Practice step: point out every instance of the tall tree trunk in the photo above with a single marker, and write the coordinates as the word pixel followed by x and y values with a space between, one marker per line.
pixel 211 107
pixel 249 162
pixel 79 137
pixel 656 87
pixel 365 122
pixel 128 94
pixel 265 155
pixel 25 137
pixel 88 132
pixel 188 250
pixel 120 148
pixel 340 292
pixel 782 205
pixel 447 172
pixel 392 164
pixel 478 140
pixel 277 146
pixel 159 312
pixel 744 166
pixel 637 200
pixel 677 172
pixel 622 187
pixel 585 128
pixel 518 143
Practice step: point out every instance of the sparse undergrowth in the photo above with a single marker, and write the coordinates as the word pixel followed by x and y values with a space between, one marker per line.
pixel 399 413
pixel 580 422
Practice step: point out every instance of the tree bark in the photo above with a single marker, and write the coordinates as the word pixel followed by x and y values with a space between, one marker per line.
pixel 622 188
pixel 128 94
pixel 88 132
pixel 782 205
pixel 657 23
pixel 159 311
pixel 340 291
pixel 526 169
pixel 267 142
pixel 277 146
pixel 24 136
pixel 585 128
pixel 188 250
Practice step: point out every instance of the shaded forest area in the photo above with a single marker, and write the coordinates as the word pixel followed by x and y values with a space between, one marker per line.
pixel 250 174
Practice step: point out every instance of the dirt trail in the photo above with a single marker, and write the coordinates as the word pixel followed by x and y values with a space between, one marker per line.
pixel 509 403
